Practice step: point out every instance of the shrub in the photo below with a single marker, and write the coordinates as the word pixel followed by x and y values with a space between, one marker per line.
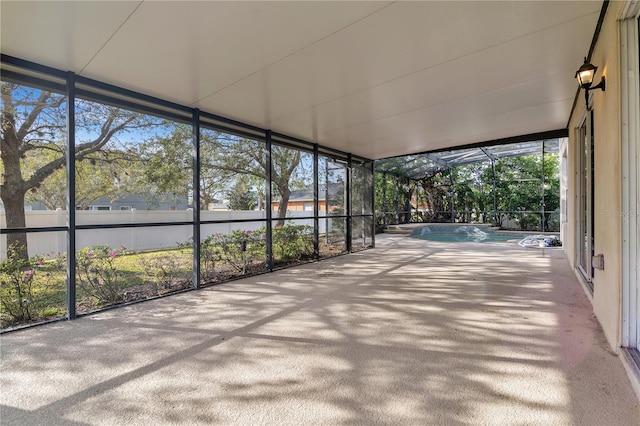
pixel 31 289
pixel 228 248
pixel 292 242
pixel 163 271
pixel 16 282
pixel 97 274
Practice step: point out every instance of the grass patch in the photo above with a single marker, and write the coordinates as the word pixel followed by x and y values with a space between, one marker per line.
pixel 36 290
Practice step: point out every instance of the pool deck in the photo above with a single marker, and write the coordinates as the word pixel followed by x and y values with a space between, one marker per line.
pixel 412 332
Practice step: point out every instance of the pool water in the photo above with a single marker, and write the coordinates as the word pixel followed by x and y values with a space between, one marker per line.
pixel 464 234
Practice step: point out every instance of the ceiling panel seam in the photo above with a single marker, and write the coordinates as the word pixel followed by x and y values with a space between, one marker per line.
pixel 428 107
pixel 428 67
pixel 295 52
pixel 424 107
pixel 111 36
pixel 483 92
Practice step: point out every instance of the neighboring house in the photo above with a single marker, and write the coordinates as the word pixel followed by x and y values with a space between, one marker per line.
pixel 218 205
pixel 28 207
pixel 129 202
pixel 302 200
pixel 135 202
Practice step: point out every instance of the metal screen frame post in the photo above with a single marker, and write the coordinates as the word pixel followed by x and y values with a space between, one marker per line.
pixel 397 200
pixel 407 218
pixel 453 197
pixel 384 200
pixel 316 205
pixel 195 153
pixel 71 195
pixel 372 206
pixel 495 199
pixel 348 186
pixel 268 197
pixel 326 200
pixel 542 219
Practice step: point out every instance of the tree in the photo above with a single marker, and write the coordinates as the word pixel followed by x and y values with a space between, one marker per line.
pixel 105 174
pixel 284 163
pixel 225 160
pixel 240 195
pixel 552 191
pixel 518 189
pixel 434 198
pixel 232 157
pixel 33 143
pixel 30 122
pixel 473 194
pixel 167 165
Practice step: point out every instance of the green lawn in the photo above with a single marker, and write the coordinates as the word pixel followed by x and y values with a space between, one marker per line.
pixel 36 291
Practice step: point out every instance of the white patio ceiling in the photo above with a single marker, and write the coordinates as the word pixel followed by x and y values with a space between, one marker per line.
pixel 374 78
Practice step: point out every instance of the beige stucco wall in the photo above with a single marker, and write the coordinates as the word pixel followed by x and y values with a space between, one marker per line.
pixel 607 178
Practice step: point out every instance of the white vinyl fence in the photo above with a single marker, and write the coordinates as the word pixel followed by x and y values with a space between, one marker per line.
pixel 145 238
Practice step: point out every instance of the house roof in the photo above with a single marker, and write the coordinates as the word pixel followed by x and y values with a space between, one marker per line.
pixel 307 193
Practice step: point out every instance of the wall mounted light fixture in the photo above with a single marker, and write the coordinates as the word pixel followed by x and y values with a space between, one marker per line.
pixel 585 76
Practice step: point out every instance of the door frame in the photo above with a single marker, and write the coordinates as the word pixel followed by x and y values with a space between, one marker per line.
pixel 629 26
pixel 584 198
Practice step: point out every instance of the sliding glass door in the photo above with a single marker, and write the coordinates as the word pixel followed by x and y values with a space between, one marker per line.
pixel 585 200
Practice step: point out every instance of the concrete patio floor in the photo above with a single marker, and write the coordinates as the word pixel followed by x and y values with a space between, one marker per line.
pixel 411 332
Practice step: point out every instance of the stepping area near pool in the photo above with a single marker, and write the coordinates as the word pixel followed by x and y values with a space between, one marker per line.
pixel 411 332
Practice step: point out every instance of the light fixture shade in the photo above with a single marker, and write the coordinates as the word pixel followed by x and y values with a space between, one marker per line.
pixel 585 74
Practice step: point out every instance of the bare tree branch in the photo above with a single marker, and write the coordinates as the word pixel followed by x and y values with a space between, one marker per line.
pixel 41 104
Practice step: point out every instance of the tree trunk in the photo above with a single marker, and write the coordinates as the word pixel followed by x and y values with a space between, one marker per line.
pixel 285 193
pixel 13 189
pixel 13 201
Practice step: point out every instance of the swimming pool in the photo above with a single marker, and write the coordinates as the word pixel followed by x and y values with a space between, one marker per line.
pixel 464 233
